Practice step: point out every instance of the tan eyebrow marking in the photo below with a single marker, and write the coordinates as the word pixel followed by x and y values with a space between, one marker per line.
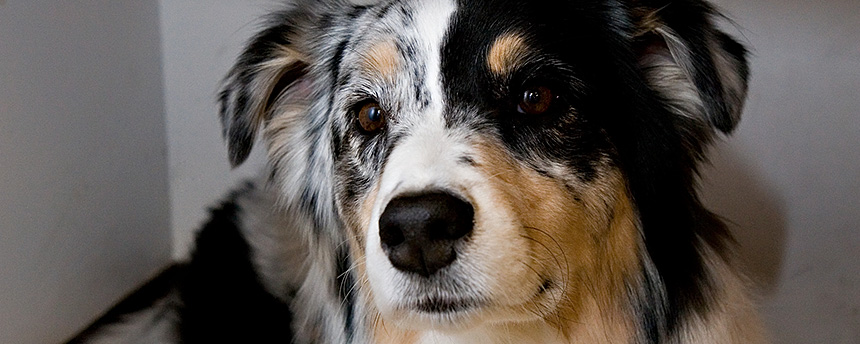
pixel 382 59
pixel 507 53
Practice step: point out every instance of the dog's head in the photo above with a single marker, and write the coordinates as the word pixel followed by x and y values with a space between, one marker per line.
pixel 492 161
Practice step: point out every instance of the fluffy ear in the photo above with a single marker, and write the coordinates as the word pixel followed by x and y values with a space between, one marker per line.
pixel 270 67
pixel 699 70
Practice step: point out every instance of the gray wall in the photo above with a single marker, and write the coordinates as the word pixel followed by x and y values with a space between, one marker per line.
pixel 789 178
pixel 201 39
pixel 83 168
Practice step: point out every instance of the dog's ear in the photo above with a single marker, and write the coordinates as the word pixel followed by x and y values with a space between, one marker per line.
pixel 271 67
pixel 699 70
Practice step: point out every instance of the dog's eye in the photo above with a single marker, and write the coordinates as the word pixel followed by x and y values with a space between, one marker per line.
pixel 536 101
pixel 371 117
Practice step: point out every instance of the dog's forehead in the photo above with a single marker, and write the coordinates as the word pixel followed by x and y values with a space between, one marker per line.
pixel 454 59
pixel 394 51
pixel 394 27
pixel 389 37
pixel 420 22
pixel 389 51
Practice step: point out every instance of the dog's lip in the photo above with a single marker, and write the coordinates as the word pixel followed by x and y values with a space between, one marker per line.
pixel 445 305
pixel 452 305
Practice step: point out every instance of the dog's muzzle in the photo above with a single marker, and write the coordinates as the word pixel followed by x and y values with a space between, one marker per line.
pixel 419 232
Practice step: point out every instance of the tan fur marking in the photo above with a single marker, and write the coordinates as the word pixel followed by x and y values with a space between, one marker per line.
pixel 507 53
pixel 382 59
pixel 388 334
pixel 591 244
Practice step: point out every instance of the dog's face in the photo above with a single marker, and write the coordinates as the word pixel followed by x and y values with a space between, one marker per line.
pixel 470 177
pixel 476 155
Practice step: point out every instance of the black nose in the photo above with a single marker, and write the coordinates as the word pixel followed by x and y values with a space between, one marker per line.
pixel 419 231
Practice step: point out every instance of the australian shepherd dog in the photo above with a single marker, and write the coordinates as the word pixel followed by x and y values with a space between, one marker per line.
pixel 473 171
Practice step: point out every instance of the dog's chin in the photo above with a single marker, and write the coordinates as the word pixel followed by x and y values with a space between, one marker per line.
pixel 437 314
pixel 463 312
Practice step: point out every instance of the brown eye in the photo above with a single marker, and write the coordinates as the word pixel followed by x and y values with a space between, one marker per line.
pixel 536 100
pixel 371 117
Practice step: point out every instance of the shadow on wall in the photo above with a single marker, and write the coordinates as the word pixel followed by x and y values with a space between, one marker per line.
pixel 754 212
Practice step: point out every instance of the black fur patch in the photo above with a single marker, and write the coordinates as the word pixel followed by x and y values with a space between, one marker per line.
pixel 568 132
pixel 238 122
pixel 222 298
pixel 609 112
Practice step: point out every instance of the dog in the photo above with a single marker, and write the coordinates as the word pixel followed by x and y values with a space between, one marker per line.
pixel 473 171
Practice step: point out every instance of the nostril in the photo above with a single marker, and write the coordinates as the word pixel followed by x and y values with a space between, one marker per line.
pixel 418 232
pixel 459 220
pixel 390 233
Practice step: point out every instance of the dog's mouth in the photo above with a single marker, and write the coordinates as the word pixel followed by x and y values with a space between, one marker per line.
pixel 450 305
pixel 445 306
pixel 440 313
pixel 455 313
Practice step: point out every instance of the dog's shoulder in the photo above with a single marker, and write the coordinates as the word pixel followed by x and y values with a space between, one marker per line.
pixel 243 271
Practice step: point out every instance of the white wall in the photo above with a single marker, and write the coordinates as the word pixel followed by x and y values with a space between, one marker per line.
pixel 83 182
pixel 201 40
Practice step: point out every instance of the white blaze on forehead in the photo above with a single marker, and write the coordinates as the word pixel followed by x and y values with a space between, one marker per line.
pixel 431 23
pixel 422 158
pixel 427 145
